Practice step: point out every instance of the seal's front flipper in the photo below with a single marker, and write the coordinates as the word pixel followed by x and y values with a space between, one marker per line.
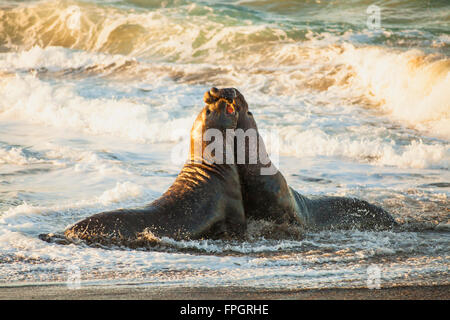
pixel 55 238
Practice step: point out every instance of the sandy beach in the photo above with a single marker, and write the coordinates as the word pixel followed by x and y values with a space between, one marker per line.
pixel 51 292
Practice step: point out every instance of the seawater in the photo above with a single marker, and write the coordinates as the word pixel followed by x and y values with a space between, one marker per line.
pixel 97 99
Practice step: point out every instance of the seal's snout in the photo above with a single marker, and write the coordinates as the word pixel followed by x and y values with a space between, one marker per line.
pixel 225 109
pixel 221 115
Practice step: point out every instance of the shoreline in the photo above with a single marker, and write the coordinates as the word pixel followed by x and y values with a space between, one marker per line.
pixel 62 292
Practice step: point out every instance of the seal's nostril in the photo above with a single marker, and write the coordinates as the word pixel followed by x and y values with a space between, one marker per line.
pixel 208 112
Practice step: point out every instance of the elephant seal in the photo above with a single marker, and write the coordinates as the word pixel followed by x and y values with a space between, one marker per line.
pixel 205 200
pixel 268 196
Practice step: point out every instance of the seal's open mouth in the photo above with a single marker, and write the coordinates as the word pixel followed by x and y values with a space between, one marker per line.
pixel 229 109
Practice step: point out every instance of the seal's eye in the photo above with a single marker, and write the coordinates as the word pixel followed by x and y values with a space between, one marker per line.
pixel 249 113
pixel 208 112
pixel 230 109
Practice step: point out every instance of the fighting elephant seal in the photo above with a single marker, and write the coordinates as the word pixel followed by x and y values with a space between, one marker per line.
pixel 265 192
pixel 205 200
pixel 266 195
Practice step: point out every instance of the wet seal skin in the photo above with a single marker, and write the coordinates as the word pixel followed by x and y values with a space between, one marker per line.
pixel 205 201
pixel 268 197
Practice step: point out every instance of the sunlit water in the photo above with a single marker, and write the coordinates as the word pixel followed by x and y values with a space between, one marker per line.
pixel 97 100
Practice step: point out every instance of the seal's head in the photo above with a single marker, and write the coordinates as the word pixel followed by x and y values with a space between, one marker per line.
pixel 233 97
pixel 221 115
pixel 215 127
pixel 248 151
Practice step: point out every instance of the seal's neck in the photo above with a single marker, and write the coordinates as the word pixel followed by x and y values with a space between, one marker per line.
pixel 212 147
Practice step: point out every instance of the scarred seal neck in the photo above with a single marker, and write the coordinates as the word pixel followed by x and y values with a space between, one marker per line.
pixel 212 135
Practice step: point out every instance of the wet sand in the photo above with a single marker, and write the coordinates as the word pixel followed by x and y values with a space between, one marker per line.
pixel 52 292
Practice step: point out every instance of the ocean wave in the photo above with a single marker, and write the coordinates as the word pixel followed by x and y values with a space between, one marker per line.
pixel 32 218
pixel 33 100
pixel 272 65
pixel 120 192
pixel 57 59
pixel 161 33
pixel 17 156
pixel 411 86
pixel 315 142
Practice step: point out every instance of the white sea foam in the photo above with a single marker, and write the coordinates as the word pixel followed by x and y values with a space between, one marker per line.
pixel 55 59
pixel 411 86
pixel 16 156
pixel 121 192
pixel 30 218
pixel 30 99
pixel 316 142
